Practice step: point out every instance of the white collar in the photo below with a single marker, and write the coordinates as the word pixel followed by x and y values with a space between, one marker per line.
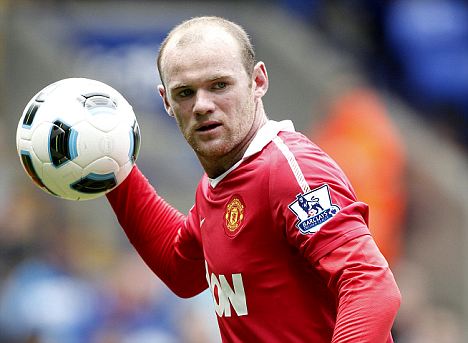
pixel 264 136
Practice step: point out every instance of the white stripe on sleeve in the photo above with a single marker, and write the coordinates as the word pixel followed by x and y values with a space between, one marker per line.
pixel 293 164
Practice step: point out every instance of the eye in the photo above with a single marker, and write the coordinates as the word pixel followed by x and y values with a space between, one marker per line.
pixel 220 85
pixel 185 93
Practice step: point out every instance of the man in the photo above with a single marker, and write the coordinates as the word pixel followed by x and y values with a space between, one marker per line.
pixel 276 232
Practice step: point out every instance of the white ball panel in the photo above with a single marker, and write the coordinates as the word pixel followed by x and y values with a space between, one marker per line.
pixel 93 144
pixel 23 133
pixel 104 120
pixel 40 141
pixel 66 109
pixel 87 143
pixel 103 165
pixel 23 144
pixel 121 136
pixel 59 179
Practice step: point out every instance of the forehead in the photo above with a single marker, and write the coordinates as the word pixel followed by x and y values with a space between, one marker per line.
pixel 201 54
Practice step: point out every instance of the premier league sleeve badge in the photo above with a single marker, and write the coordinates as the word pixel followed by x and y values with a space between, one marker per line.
pixel 313 209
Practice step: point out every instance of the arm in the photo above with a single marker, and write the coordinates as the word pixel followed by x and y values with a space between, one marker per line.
pixel 339 246
pixel 160 234
pixel 367 295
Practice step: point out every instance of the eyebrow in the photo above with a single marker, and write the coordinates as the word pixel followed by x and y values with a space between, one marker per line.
pixel 220 76
pixel 178 86
pixel 215 77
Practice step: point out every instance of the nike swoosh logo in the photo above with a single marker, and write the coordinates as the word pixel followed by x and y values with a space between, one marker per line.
pixel 201 222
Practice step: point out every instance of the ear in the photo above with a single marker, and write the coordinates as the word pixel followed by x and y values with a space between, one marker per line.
pixel 260 80
pixel 163 94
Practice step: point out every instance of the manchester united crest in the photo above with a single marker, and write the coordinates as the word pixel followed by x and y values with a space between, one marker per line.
pixel 234 214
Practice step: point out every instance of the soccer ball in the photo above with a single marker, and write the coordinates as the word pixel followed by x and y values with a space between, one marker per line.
pixel 78 138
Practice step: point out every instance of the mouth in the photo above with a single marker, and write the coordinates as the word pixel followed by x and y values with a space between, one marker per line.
pixel 208 126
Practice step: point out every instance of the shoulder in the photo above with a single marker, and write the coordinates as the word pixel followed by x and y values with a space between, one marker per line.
pixel 303 174
pixel 311 195
pixel 300 160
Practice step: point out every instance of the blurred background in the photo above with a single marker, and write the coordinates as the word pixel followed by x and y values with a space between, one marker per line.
pixel 382 86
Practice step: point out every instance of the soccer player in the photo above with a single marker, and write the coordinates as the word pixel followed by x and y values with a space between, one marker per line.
pixel 276 232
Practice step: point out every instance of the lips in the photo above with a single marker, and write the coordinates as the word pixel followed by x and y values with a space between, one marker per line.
pixel 208 126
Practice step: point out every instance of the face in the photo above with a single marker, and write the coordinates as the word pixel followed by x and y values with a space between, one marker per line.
pixel 210 94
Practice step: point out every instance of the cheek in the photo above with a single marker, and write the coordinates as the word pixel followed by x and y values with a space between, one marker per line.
pixel 180 114
pixel 247 107
pixel 180 121
pixel 183 126
pixel 243 102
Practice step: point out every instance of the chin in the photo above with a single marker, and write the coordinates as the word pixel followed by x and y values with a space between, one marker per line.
pixel 211 150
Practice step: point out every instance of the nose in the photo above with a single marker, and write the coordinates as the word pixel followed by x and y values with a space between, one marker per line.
pixel 203 103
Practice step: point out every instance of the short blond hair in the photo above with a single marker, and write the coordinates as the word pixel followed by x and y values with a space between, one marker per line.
pixel 235 30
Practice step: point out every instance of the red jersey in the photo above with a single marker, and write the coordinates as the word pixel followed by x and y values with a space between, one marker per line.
pixel 274 239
